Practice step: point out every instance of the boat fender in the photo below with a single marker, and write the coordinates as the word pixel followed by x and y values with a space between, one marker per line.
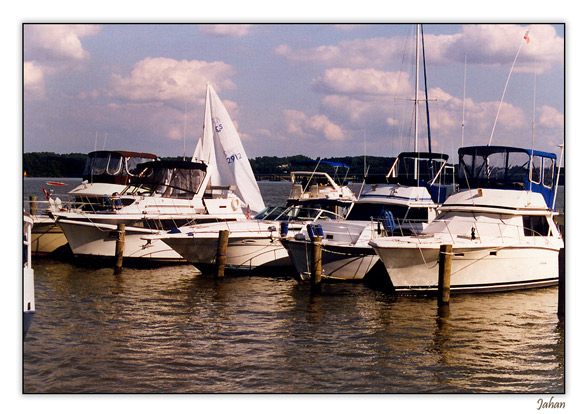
pixel 473 235
pixel 283 229
pixel 235 203
pixel 174 230
pixel 116 203
pixel 315 230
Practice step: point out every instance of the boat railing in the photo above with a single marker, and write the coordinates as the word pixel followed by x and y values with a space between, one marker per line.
pixel 36 207
pixel 486 231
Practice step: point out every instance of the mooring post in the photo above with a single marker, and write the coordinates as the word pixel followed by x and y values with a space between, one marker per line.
pixel 444 271
pixel 561 284
pixel 221 253
pixel 316 277
pixel 33 205
pixel 120 231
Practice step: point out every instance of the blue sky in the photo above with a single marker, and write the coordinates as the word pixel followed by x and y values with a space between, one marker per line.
pixel 314 89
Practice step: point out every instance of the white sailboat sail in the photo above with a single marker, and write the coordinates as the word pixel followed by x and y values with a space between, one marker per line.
pixel 222 149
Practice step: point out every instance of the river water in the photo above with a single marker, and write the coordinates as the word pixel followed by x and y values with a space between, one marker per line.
pixel 173 330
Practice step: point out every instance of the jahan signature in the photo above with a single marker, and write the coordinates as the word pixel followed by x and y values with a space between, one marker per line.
pixel 550 404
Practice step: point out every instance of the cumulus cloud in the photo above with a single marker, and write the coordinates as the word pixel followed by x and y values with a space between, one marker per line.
pixel 164 79
pixel 56 42
pixel 550 118
pixel 376 52
pixel 299 125
pixel 482 44
pixel 362 82
pixel 226 30
pixel 34 81
pixel 50 49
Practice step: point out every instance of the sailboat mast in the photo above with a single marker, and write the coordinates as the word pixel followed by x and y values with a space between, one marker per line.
pixel 416 100
pixel 426 90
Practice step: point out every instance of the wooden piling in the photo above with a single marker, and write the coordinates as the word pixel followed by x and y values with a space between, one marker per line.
pixel 561 284
pixel 33 205
pixel 120 232
pixel 316 275
pixel 221 253
pixel 444 271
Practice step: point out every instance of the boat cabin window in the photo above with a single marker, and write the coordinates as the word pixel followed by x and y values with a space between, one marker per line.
pixel 536 226
pixel 548 172
pixel 518 166
pixel 133 162
pixel 536 171
pixel 114 164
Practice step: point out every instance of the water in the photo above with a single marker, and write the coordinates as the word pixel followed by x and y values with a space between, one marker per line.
pixel 173 330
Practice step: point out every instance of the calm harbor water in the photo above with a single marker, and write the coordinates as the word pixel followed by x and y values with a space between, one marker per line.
pixel 174 330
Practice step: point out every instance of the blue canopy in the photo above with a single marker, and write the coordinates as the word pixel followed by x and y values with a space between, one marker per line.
pixel 508 167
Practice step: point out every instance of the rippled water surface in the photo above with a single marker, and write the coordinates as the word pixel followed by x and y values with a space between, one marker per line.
pixel 173 330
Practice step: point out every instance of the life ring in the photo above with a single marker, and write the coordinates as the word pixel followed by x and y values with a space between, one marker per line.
pixel 235 203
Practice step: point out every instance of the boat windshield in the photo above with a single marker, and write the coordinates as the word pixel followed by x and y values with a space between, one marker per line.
pixel 427 167
pixel 269 213
pixel 317 209
pixel 173 179
pixel 114 163
pixel 372 211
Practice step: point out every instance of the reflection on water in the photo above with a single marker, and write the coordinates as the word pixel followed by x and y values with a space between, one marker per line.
pixel 173 330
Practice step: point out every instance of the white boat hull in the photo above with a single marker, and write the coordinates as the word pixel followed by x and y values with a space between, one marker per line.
pixel 243 253
pixel 473 269
pixel 100 241
pixel 346 262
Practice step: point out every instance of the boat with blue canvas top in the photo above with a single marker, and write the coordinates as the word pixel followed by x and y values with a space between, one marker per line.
pixel 500 225
pixel 402 202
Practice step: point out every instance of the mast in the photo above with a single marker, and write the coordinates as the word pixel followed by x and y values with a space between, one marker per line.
pixel 426 91
pixel 416 100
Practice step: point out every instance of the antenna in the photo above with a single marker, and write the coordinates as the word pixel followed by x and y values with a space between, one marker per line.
pixel 184 126
pixel 464 97
pixel 524 39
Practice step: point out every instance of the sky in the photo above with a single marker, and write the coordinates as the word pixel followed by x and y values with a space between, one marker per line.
pixel 321 90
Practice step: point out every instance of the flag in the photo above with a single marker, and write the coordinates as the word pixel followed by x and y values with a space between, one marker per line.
pixel 527 37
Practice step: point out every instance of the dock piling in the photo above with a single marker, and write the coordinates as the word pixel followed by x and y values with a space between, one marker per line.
pixel 316 276
pixel 444 271
pixel 561 284
pixel 33 205
pixel 221 253
pixel 119 253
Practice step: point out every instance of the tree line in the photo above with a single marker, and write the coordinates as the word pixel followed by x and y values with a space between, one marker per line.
pixel 49 164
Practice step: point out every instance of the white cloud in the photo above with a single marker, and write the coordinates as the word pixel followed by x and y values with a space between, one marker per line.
pixel 50 49
pixel 164 79
pixel 550 118
pixel 226 30
pixel 363 82
pixel 482 44
pixel 56 42
pixel 299 125
pixel 34 81
pixel 376 52
pixel 498 44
